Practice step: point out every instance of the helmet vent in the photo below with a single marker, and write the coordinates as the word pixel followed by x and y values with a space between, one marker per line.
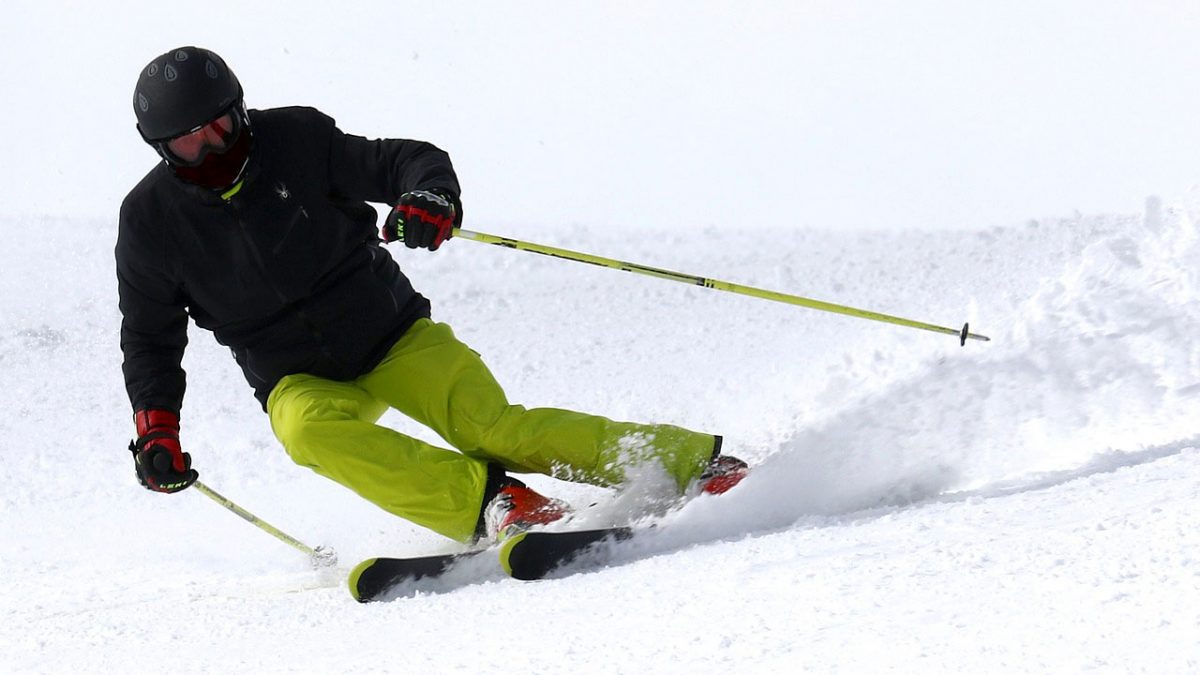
pixel 181 55
pixel 170 73
pixel 143 102
pixel 210 69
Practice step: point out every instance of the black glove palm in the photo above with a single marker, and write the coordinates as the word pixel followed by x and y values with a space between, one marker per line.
pixel 422 218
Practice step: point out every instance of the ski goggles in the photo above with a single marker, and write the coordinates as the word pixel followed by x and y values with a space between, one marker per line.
pixel 190 148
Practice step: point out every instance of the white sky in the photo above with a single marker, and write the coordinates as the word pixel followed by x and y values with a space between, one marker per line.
pixel 835 114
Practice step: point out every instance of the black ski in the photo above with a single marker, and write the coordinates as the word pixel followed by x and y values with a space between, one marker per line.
pixel 533 555
pixel 371 579
pixel 527 556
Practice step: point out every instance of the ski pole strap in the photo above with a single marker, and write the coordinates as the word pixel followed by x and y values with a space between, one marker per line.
pixel 963 333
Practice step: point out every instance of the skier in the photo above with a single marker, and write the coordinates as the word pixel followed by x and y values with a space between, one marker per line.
pixel 255 225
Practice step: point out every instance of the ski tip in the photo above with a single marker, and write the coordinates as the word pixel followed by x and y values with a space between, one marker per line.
pixel 530 556
pixel 356 575
pixel 506 550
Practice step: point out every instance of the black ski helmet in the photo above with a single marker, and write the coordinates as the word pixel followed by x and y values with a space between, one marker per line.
pixel 182 90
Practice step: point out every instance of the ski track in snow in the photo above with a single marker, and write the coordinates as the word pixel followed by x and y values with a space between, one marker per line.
pixel 1024 504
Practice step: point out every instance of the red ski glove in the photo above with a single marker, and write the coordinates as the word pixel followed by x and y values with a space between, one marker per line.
pixel 160 464
pixel 423 219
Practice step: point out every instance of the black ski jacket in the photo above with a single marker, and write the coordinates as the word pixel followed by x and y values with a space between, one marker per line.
pixel 288 272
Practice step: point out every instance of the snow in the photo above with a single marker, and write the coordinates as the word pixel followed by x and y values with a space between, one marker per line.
pixel 1028 504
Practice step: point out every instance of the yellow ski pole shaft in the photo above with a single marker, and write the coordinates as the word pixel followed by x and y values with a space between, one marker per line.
pixel 319 556
pixel 963 334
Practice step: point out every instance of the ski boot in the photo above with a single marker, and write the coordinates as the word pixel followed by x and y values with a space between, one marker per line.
pixel 517 507
pixel 721 474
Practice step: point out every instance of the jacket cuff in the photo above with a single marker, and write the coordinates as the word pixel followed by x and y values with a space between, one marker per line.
pixel 152 419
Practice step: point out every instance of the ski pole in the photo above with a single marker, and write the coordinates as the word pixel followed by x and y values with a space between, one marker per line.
pixel 320 556
pixel 963 334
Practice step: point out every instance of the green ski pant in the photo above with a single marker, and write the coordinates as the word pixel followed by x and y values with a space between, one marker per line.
pixel 428 375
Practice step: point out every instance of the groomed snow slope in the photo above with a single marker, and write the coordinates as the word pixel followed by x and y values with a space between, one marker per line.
pixel 1025 504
